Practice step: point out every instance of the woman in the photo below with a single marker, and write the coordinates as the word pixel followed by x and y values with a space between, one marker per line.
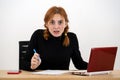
pixel 55 46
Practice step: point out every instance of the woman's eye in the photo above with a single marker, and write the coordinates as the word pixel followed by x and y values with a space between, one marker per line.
pixel 60 22
pixel 52 22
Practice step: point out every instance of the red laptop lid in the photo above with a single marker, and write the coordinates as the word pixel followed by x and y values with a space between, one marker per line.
pixel 102 59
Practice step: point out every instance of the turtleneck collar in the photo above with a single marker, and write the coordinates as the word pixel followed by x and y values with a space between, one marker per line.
pixel 56 38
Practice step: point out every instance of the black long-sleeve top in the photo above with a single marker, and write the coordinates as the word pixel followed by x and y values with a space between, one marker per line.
pixel 52 52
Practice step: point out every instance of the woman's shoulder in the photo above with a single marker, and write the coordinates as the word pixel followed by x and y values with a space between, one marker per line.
pixel 39 31
pixel 73 38
pixel 71 34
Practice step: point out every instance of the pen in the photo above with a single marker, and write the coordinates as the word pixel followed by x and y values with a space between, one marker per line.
pixel 35 53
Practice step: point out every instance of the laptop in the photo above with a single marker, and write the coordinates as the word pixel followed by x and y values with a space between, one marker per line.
pixel 101 61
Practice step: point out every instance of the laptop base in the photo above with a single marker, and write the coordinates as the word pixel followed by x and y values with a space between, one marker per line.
pixel 90 73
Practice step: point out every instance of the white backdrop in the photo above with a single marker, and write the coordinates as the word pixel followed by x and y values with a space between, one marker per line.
pixel 96 23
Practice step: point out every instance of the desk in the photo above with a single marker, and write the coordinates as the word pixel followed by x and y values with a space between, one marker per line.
pixel 25 75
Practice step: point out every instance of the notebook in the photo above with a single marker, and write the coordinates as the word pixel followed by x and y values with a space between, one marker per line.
pixel 101 61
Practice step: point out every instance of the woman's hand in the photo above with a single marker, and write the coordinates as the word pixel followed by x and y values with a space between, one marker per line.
pixel 35 61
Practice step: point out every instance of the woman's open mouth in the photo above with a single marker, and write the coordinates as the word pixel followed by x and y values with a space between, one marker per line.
pixel 56 32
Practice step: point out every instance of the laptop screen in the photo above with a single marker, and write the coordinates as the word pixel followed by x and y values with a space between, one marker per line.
pixel 102 59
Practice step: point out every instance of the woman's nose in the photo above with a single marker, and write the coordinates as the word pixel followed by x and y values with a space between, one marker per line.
pixel 56 25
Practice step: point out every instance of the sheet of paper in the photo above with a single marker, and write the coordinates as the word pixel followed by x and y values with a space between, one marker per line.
pixel 51 72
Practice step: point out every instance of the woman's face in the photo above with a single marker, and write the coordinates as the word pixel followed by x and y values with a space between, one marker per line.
pixel 56 25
